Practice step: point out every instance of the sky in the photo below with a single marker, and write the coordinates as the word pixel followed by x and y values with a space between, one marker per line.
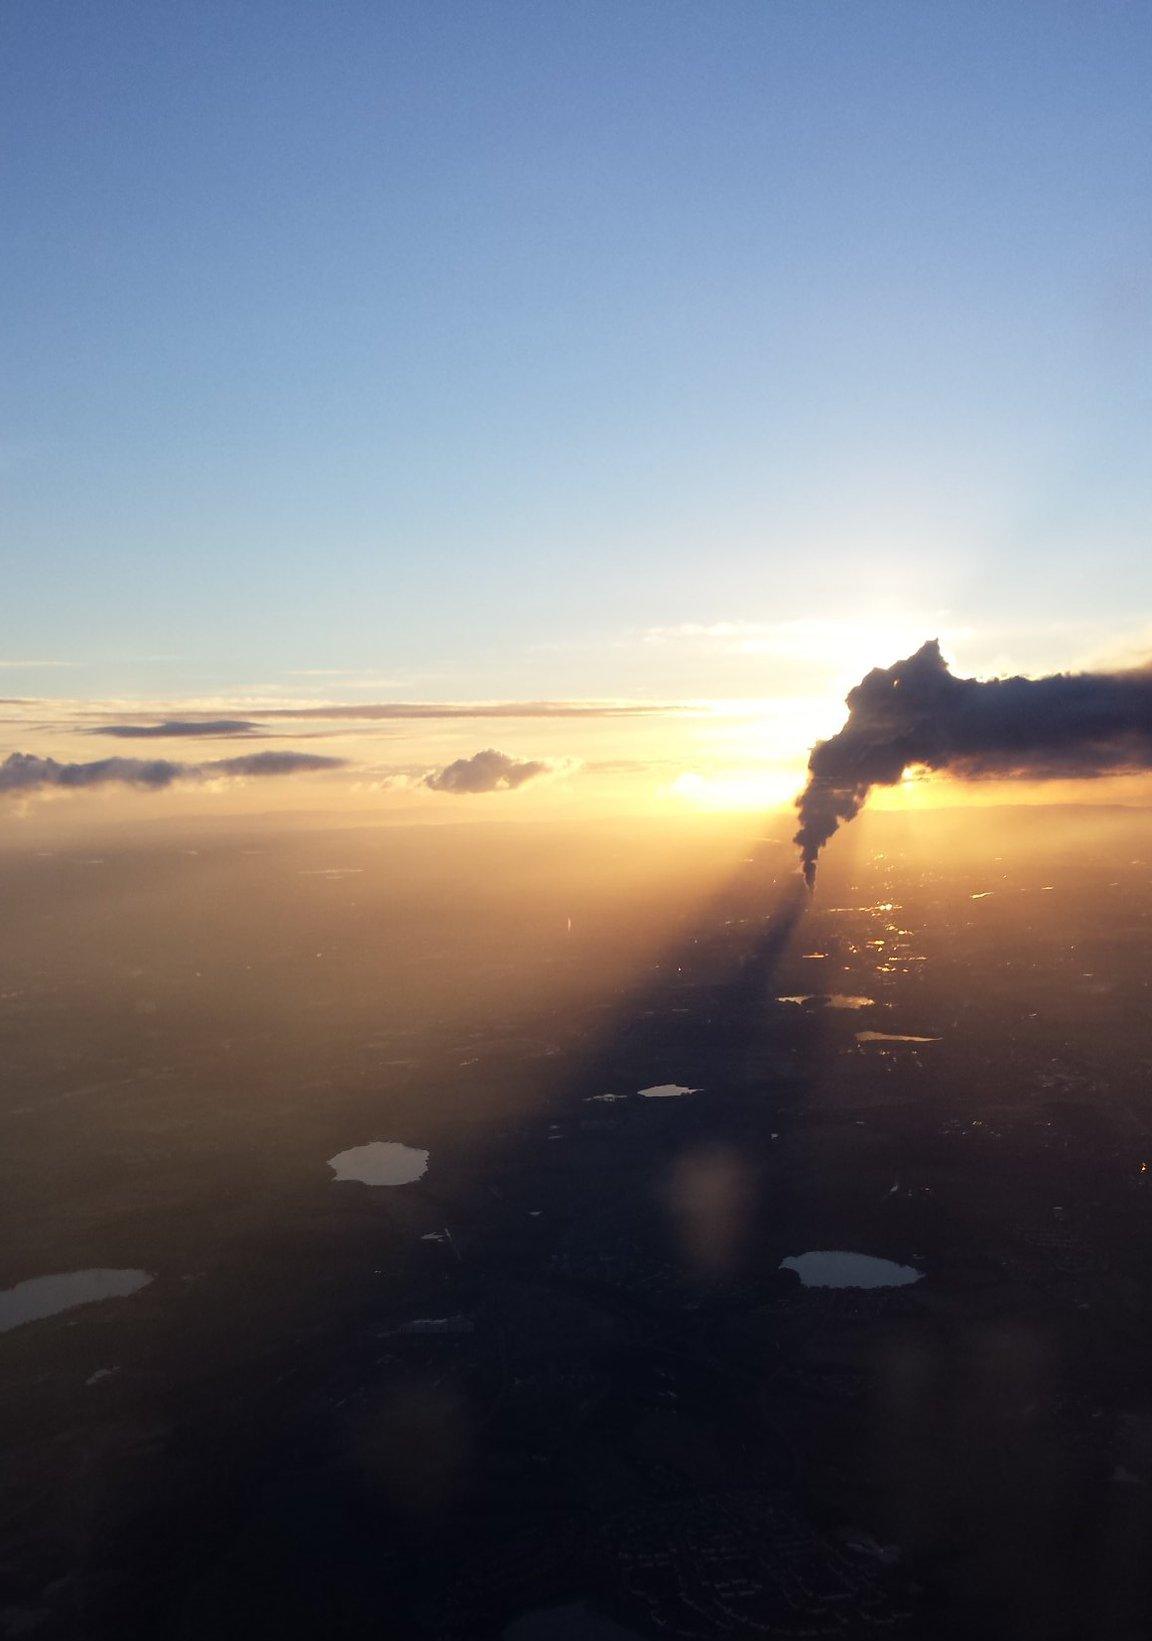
pixel 601 350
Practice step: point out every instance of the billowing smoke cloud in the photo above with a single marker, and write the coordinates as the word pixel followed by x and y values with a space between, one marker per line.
pixel 23 772
pixel 172 728
pixel 915 714
pixel 488 771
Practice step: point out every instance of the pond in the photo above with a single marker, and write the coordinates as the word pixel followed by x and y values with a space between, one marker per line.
pixel 383 1162
pixel 836 1268
pixel 832 1000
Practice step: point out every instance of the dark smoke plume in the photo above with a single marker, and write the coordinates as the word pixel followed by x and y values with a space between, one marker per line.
pixel 916 715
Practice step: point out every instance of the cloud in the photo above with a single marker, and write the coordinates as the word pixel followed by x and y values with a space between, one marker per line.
pixel 172 728
pixel 488 771
pixel 915 714
pixel 478 709
pixel 24 772
pixel 272 763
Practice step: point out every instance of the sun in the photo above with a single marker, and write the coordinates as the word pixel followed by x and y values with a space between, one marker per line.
pixel 735 789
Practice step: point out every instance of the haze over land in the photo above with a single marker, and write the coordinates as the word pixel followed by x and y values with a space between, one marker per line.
pixel 224 1041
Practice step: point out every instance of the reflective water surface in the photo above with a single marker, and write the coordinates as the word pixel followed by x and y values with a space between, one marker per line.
pixel 383 1162
pixel 835 1268
pixel 43 1296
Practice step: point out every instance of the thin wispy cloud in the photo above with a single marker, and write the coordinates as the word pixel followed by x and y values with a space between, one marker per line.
pixel 796 639
pixel 354 677
pixel 249 711
pixel 174 728
pixel 477 709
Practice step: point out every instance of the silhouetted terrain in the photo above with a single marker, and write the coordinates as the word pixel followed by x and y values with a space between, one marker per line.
pixel 559 1384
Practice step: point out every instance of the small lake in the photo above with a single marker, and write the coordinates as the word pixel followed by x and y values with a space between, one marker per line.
pixel 834 1268
pixel 891 1037
pixel 383 1162
pixel 43 1296
pixel 832 1000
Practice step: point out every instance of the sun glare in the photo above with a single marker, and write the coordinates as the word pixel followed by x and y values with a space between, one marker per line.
pixel 734 789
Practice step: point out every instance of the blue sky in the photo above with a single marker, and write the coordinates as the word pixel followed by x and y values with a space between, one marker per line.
pixel 485 349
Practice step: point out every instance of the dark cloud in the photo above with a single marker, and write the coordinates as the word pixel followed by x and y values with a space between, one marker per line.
pixel 172 728
pixel 272 763
pixel 488 771
pixel 24 772
pixel 915 714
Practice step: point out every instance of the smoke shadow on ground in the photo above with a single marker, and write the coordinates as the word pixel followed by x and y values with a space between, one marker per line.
pixel 603 1380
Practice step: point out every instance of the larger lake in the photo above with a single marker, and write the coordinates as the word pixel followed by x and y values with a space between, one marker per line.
pixel 43 1296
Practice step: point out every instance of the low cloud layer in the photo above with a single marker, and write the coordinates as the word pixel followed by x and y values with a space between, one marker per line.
pixel 24 772
pixel 272 763
pixel 487 771
pixel 915 714
pixel 173 728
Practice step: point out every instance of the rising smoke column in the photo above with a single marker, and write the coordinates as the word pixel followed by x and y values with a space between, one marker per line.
pixel 915 714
